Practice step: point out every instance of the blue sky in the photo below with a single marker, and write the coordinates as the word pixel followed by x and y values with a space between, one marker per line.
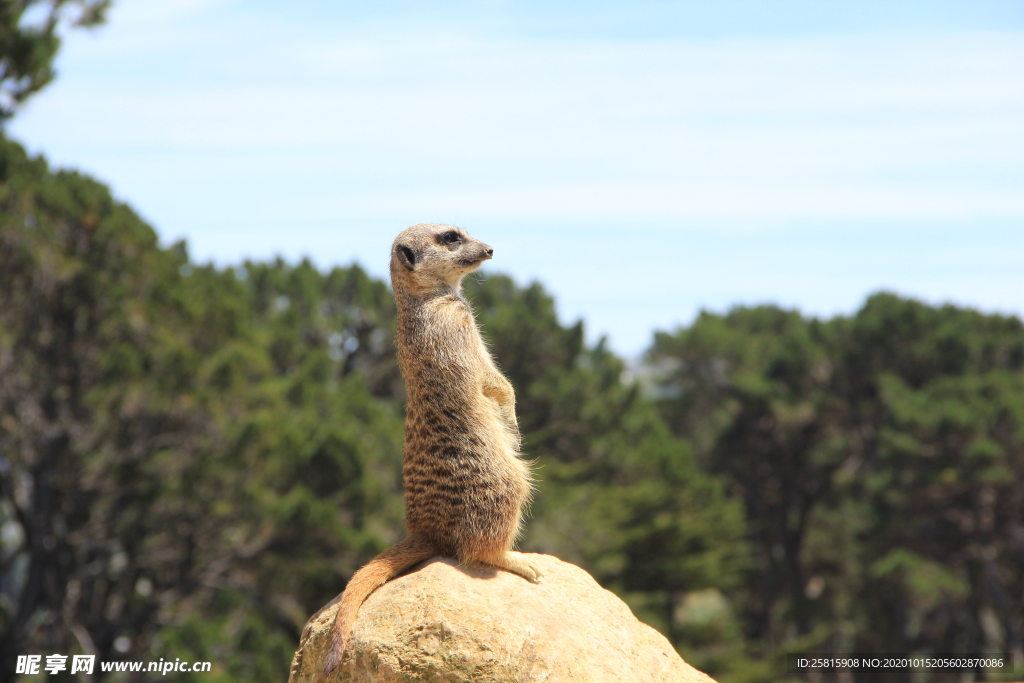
pixel 643 160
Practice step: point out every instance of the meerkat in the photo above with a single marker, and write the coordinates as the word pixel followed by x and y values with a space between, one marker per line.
pixel 465 483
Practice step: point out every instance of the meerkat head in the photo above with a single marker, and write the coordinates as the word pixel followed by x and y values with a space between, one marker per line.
pixel 428 257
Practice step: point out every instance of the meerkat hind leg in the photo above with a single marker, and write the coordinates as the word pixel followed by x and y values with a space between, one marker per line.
pixel 518 564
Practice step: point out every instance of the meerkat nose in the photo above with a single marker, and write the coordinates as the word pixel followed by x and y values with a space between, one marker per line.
pixel 489 251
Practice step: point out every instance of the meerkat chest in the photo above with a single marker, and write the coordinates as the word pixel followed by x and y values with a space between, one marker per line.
pixel 442 346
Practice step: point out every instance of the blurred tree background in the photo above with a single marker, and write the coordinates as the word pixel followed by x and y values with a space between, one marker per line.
pixel 193 459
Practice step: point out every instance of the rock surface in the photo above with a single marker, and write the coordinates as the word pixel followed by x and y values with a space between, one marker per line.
pixel 451 624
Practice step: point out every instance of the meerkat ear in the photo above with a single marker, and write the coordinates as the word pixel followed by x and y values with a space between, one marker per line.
pixel 406 256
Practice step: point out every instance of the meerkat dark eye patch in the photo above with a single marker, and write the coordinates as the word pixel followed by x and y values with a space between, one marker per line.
pixel 406 256
pixel 450 237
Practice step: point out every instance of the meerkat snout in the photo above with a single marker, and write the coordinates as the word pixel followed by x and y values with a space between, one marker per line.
pixel 481 253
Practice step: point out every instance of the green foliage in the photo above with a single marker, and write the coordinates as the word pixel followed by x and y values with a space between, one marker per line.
pixel 880 460
pixel 181 446
pixel 29 43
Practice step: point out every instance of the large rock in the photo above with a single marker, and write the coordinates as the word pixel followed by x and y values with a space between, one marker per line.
pixel 452 624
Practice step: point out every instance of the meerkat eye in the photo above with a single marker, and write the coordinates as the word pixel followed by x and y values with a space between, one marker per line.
pixel 450 237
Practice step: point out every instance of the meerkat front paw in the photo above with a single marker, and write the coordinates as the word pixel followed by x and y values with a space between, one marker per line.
pixel 517 563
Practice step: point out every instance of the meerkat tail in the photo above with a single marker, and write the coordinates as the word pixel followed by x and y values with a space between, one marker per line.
pixel 375 574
